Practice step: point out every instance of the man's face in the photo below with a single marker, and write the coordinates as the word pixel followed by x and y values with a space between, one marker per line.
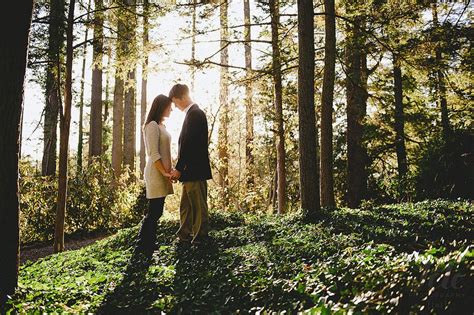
pixel 179 102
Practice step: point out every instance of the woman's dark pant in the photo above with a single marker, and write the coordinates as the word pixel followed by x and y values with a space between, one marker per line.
pixel 147 234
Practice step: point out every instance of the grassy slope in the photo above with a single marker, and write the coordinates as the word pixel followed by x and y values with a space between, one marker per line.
pixel 398 257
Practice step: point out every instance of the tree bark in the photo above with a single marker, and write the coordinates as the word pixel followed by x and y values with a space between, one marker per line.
pixel 129 113
pixel 440 83
pixel 223 144
pixel 95 135
pixel 65 122
pixel 278 100
pixel 193 45
pixel 144 86
pixel 248 97
pixel 13 58
pixel 399 120
pixel 309 183
pixel 52 91
pixel 117 128
pixel 356 81
pixel 327 97
pixel 80 142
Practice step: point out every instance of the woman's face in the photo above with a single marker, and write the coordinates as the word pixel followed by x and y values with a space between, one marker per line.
pixel 167 111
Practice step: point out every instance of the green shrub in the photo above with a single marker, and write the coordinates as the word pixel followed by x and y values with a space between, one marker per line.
pixel 447 170
pixel 96 201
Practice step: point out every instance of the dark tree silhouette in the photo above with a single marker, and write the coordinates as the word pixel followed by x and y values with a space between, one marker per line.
pixel 13 55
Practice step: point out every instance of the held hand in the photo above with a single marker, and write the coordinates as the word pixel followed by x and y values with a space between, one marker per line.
pixel 175 174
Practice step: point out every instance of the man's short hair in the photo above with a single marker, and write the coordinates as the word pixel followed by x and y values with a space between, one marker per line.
pixel 179 90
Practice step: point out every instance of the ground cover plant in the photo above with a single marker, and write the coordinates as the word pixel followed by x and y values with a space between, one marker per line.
pixel 409 257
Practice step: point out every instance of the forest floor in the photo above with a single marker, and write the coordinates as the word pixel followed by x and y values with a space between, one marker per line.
pixel 33 252
pixel 411 257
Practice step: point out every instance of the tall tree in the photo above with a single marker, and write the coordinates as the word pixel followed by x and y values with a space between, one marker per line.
pixel 309 182
pixel 356 97
pixel 193 45
pixel 327 97
pixel 278 101
pixel 12 70
pixel 144 85
pixel 80 142
pixel 118 106
pixel 440 80
pixel 399 119
pixel 53 79
pixel 129 113
pixel 248 96
pixel 223 145
pixel 64 123
pixel 95 135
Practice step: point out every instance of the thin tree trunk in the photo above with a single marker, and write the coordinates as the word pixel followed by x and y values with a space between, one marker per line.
pixel 441 84
pixel 117 128
pixel 129 124
pixel 223 144
pixel 12 69
pixel 193 45
pixel 65 121
pixel 327 97
pixel 309 185
pixel 144 85
pixel 105 128
pixel 95 135
pixel 80 142
pixel 53 99
pixel 278 100
pixel 129 112
pixel 356 101
pixel 399 120
pixel 248 97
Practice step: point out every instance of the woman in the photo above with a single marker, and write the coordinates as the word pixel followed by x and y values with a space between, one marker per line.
pixel 157 170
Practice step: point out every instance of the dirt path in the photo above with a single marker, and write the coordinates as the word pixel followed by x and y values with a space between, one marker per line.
pixel 35 252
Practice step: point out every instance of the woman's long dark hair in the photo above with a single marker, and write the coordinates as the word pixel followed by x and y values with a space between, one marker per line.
pixel 160 103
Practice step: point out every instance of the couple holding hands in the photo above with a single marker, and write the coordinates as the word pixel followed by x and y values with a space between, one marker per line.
pixel 192 169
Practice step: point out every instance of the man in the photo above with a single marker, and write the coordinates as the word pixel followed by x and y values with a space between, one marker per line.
pixel 193 168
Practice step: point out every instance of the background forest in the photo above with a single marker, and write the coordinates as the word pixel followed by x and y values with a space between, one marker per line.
pixel 341 142
pixel 392 95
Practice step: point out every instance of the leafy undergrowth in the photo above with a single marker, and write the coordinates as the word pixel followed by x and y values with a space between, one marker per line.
pixel 401 258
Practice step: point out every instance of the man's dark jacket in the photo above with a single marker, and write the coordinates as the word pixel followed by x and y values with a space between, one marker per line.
pixel 193 155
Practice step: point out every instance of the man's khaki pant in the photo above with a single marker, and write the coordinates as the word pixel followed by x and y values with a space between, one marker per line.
pixel 193 214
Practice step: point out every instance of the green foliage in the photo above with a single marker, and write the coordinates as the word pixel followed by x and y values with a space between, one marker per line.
pixel 447 170
pixel 401 258
pixel 96 202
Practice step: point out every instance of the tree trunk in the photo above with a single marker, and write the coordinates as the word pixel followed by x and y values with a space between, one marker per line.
pixel 193 45
pixel 327 97
pixel 144 86
pixel 399 120
pixel 278 100
pixel 65 121
pixel 248 97
pixel 440 84
pixel 356 106
pixel 129 112
pixel 53 98
pixel 309 186
pixel 223 144
pixel 117 128
pixel 12 69
pixel 95 135
pixel 80 142
pixel 106 114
